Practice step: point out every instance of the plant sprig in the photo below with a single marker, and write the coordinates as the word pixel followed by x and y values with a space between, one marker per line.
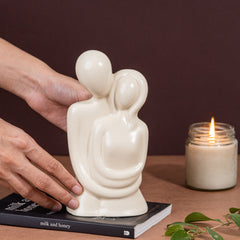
pixel 188 231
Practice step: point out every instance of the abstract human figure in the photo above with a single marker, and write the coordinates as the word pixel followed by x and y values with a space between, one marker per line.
pixel 110 165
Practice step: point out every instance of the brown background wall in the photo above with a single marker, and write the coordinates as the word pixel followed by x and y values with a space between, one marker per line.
pixel 188 50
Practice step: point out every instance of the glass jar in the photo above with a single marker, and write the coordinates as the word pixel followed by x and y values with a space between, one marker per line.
pixel 211 162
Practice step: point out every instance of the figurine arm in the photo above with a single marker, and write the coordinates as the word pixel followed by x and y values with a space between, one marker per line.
pixel 96 140
pixel 144 143
pixel 80 168
pixel 73 131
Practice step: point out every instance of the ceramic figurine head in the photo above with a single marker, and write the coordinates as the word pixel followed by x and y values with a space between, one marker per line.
pixel 94 71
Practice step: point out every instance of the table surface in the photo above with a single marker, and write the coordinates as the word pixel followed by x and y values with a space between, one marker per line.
pixel 163 181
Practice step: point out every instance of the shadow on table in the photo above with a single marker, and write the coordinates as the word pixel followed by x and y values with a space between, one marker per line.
pixel 173 173
pixel 231 231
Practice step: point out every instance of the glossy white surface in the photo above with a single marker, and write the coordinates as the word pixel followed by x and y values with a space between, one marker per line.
pixel 107 141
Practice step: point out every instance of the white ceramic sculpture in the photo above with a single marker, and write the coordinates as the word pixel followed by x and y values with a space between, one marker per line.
pixel 107 141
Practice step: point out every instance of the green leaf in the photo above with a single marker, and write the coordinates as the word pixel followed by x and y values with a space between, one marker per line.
pixel 173 229
pixel 233 210
pixel 181 235
pixel 214 235
pixel 236 218
pixel 197 216
pixel 183 224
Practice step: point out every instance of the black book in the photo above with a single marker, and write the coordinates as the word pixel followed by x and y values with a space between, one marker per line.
pixel 18 211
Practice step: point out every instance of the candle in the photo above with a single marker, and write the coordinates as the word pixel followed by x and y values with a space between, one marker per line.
pixel 211 156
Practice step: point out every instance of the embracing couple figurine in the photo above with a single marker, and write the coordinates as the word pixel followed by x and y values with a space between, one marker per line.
pixel 107 141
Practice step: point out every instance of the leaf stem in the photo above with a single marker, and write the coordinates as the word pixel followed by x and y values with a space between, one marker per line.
pixel 198 231
pixel 223 224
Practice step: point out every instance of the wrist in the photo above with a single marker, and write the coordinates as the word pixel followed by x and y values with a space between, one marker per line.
pixel 35 82
pixel 20 72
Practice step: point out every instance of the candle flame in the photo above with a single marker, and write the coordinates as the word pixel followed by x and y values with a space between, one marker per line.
pixel 212 131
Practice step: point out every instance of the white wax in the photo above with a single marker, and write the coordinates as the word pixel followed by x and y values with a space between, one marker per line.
pixel 211 167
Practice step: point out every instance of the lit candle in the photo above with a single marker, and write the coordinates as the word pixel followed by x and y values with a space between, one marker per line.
pixel 211 156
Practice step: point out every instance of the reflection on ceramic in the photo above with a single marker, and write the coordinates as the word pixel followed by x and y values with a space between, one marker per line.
pixel 107 141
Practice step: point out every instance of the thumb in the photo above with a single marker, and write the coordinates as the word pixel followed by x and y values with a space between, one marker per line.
pixel 67 90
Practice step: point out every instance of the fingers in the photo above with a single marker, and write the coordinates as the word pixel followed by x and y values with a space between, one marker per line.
pixel 28 191
pixel 20 157
pixel 43 159
pixel 7 185
pixel 68 90
pixel 19 185
pixel 46 184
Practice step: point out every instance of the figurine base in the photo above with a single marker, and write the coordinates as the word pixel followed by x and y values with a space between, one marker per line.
pixel 91 206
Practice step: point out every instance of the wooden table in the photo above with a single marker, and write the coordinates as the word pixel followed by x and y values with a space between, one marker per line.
pixel 163 181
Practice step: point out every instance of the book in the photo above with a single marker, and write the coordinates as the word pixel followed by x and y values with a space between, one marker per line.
pixel 18 211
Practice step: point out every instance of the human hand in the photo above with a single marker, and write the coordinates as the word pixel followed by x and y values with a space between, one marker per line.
pixel 26 168
pixel 46 91
pixel 53 96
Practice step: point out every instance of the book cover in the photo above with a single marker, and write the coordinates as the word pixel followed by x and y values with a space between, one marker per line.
pixel 18 211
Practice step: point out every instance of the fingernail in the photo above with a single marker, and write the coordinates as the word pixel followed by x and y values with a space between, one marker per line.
pixel 77 190
pixel 73 204
pixel 56 207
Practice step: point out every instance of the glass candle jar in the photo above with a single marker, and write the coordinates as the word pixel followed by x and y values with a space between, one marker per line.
pixel 211 161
